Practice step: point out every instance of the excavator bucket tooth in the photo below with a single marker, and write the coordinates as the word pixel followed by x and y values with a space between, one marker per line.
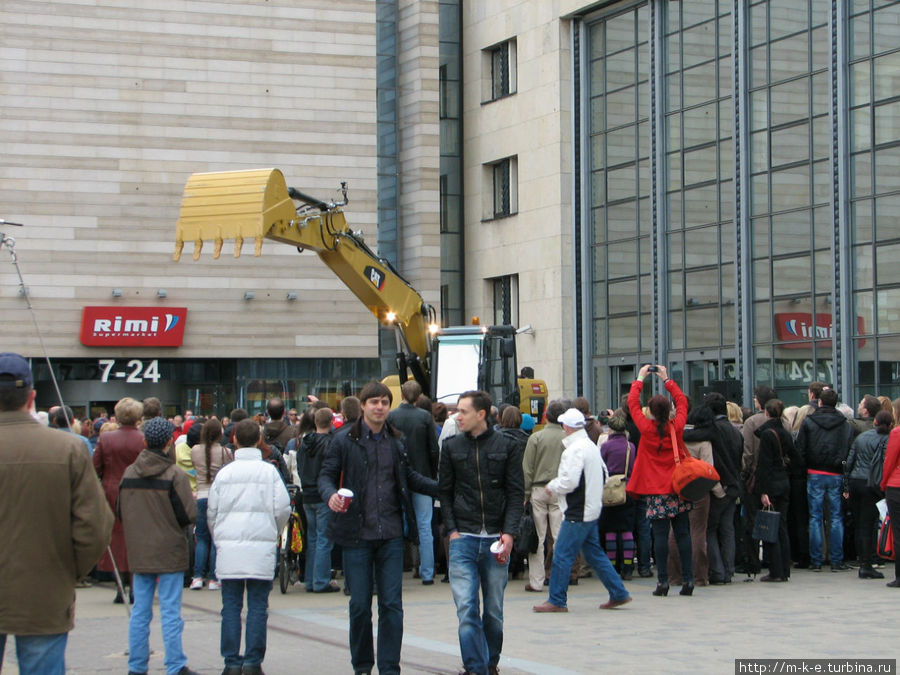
pixel 232 205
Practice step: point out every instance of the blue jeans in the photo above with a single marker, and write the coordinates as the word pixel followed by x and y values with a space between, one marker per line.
pixel 384 558
pixel 819 488
pixel 642 536
pixel 39 654
pixel 170 586
pixel 257 618
pixel 423 505
pixel 585 537
pixel 204 550
pixel 473 567
pixel 318 546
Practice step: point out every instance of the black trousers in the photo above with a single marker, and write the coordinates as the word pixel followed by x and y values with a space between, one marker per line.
pixel 865 519
pixel 779 552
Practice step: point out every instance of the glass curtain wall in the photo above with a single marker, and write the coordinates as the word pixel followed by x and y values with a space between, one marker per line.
pixel 874 127
pixel 619 137
pixel 792 58
pixel 791 220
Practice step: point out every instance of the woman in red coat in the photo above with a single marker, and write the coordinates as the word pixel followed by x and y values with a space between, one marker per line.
pixel 652 476
pixel 890 485
pixel 115 452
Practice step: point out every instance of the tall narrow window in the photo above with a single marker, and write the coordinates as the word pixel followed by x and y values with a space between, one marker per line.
pixel 506 299
pixel 501 188
pixel 499 68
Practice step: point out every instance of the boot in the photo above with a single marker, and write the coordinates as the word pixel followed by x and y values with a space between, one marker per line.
pixel 869 572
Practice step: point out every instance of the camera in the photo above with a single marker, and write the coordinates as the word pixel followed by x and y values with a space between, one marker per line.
pixel 653 369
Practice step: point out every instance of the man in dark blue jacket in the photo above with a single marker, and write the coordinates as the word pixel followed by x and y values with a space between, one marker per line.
pixel 370 460
pixel 420 438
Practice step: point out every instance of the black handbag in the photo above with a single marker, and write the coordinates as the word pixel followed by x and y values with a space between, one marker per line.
pixel 765 525
pixel 527 541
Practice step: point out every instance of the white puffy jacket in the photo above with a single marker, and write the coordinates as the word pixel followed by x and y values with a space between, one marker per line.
pixel 248 507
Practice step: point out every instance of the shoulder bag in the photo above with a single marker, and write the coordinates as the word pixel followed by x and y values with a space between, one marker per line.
pixel 693 478
pixel 614 487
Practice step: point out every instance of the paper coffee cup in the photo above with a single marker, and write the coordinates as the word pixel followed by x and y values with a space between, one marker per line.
pixel 497 550
pixel 347 496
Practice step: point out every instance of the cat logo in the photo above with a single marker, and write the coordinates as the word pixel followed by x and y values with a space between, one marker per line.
pixel 376 276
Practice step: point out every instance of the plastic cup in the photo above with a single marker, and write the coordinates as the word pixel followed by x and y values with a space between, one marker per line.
pixel 346 496
pixel 497 550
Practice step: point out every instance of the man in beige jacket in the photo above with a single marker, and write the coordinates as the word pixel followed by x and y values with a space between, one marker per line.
pixel 540 465
pixel 54 511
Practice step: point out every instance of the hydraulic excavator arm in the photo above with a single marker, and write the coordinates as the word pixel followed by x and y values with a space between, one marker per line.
pixel 257 205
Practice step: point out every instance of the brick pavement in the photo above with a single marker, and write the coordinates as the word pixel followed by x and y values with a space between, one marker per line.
pixel 816 615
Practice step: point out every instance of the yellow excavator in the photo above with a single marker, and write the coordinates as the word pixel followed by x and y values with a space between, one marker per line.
pixel 256 205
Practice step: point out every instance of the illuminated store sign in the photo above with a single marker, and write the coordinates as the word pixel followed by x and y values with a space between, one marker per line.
pixel 133 326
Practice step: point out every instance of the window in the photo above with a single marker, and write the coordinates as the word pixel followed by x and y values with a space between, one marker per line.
pixel 499 65
pixel 501 191
pixel 506 300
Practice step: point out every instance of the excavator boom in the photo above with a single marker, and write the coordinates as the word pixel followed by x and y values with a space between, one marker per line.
pixel 256 205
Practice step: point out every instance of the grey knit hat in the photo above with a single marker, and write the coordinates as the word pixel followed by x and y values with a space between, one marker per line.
pixel 158 432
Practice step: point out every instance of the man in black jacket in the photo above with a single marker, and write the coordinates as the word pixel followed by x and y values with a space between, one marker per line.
pixel 727 445
pixel 823 443
pixel 369 459
pixel 420 434
pixel 482 493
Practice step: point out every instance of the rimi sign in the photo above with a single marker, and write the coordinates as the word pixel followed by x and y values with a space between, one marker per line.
pixel 133 326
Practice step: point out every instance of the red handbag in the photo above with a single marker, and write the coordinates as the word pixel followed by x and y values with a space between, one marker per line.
pixel 693 478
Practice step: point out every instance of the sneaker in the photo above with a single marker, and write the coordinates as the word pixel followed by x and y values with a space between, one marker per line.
pixel 645 572
pixel 196 584
pixel 840 567
pixel 815 568
pixel 215 585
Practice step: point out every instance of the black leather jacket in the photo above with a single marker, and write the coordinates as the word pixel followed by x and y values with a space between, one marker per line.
pixel 347 456
pixel 421 439
pixel 859 461
pixel 481 483
pixel 824 440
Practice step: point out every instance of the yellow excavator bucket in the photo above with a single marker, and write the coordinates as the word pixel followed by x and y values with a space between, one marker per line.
pixel 234 205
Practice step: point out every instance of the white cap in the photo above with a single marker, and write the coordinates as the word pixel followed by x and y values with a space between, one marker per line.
pixel 572 418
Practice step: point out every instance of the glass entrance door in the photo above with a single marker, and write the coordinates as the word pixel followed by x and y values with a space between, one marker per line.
pixel 698 374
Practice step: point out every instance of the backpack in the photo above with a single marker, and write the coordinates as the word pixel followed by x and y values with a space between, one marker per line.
pixel 876 469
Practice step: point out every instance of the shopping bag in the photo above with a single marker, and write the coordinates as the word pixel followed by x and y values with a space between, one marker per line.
pixel 886 540
pixel 527 541
pixel 765 525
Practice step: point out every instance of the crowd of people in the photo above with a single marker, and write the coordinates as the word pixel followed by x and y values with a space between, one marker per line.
pixel 198 502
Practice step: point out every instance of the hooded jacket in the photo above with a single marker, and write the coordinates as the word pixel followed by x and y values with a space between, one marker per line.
pixel 278 431
pixel 54 521
pixel 155 506
pixel 824 440
pixel 727 446
pixel 776 458
pixel 248 508
pixel 309 463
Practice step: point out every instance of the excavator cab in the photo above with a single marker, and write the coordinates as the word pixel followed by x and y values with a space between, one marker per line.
pixel 476 357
